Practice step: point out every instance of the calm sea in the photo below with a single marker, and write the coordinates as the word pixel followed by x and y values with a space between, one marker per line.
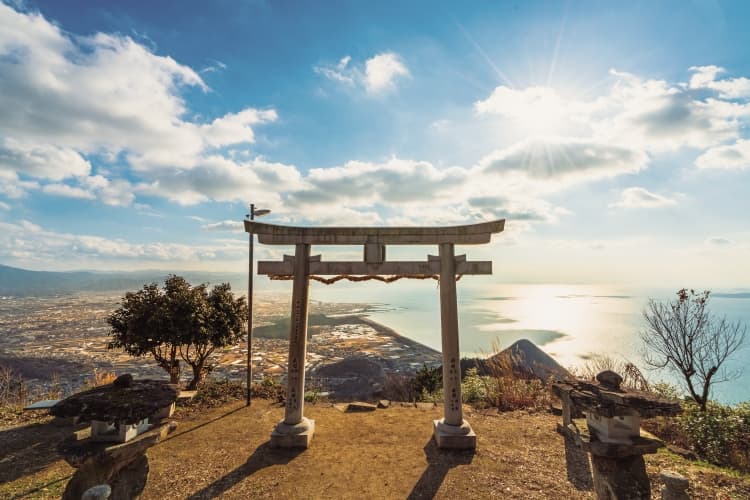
pixel 570 322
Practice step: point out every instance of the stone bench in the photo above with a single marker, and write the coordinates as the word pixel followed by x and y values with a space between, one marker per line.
pixel 612 432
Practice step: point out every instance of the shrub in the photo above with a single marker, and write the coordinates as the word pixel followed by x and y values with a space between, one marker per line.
pixel 720 434
pixel 510 393
pixel 473 387
pixel 428 380
pixel 269 388
pixel 399 387
pixel 213 392
pixel 666 390
pixel 103 377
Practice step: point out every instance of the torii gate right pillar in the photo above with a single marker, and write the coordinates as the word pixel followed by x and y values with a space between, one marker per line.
pixel 452 431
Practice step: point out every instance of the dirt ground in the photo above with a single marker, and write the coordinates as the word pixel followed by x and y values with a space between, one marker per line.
pixel 388 453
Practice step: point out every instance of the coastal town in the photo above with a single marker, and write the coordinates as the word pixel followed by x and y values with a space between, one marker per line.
pixel 63 340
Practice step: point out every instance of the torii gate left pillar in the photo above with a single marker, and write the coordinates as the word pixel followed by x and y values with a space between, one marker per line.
pixel 452 431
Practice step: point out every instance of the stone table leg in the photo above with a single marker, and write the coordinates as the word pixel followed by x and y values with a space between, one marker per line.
pixel 452 431
pixel 620 478
pixel 296 431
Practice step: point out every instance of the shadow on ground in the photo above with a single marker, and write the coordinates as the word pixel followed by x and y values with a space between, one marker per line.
pixel 439 462
pixel 578 466
pixel 263 456
pixel 29 449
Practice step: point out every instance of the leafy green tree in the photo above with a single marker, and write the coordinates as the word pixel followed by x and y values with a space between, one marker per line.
pixel 179 322
pixel 682 335
pixel 218 320
pixel 142 326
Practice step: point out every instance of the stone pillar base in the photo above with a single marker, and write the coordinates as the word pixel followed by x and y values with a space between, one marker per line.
pixel 624 477
pixel 456 437
pixel 293 436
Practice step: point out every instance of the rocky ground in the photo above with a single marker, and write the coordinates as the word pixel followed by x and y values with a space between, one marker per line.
pixel 388 453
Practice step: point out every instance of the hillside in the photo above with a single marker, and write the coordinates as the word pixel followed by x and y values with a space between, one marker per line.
pixel 523 358
pixel 25 283
pixel 388 453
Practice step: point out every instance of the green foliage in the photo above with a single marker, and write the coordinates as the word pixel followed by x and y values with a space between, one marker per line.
pixel 428 380
pixel 720 434
pixel 269 388
pixel 666 390
pixel 212 393
pixel 473 387
pixel 178 320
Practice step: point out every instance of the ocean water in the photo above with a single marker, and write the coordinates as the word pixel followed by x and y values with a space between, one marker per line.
pixel 570 322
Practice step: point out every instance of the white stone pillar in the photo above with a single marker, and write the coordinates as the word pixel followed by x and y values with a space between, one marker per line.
pixel 452 431
pixel 296 431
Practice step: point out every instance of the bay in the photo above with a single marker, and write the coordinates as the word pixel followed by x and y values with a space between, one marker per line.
pixel 571 322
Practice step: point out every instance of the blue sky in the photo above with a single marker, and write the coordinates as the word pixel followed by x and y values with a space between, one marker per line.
pixel 613 137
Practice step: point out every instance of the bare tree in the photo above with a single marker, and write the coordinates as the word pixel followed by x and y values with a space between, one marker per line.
pixel 683 336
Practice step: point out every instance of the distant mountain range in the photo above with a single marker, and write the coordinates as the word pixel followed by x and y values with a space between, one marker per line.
pixel 24 283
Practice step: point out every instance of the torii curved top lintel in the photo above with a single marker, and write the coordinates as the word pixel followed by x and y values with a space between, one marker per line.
pixel 468 234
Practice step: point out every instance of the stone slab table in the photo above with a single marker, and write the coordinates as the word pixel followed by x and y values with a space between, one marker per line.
pixel 130 413
pixel 613 435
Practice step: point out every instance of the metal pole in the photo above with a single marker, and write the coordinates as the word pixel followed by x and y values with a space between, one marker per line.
pixel 250 310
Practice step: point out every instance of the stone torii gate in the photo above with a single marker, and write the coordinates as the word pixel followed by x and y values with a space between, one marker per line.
pixel 452 431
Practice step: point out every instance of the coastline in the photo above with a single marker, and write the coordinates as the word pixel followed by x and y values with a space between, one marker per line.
pixel 386 330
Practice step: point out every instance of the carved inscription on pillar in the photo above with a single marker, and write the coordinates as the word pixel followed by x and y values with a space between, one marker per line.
pixel 298 324
pixel 452 382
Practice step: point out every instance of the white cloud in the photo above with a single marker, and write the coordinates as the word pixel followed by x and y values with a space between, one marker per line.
pixel 235 226
pixel 382 70
pixel 4 206
pixel 638 197
pixel 67 191
pixel 378 74
pixel 636 113
pixel 339 73
pixel 66 97
pixel 719 241
pixel 730 157
pixel 704 77
pixel 565 159
pixel 41 160
pixel 28 242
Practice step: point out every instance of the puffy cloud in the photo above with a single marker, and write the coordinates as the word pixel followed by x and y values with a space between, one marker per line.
pixel 730 157
pixel 223 179
pixel 378 74
pixel 564 159
pixel 66 97
pixel 41 160
pixel 704 77
pixel 636 113
pixel 28 242
pixel 68 191
pixel 382 70
pixel 638 197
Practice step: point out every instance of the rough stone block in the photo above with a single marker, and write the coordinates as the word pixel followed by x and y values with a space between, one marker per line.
pixel 358 406
pixel 293 436
pixel 163 413
pixel 105 431
pixel 384 403
pixel 454 437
